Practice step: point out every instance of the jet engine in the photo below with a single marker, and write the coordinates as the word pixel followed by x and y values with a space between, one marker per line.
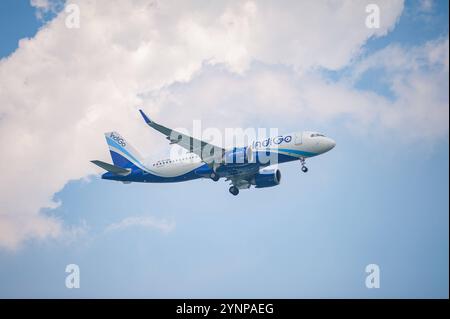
pixel 267 178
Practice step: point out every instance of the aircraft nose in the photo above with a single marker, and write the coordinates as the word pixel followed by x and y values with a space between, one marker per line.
pixel 332 143
pixel 329 144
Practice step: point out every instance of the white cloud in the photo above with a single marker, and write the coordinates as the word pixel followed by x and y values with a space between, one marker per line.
pixel 426 5
pixel 16 228
pixel 41 4
pixel 418 78
pixel 162 225
pixel 64 87
pixel 74 233
pixel 397 58
pixel 44 7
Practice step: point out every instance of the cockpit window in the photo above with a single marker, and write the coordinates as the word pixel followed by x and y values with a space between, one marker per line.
pixel 317 135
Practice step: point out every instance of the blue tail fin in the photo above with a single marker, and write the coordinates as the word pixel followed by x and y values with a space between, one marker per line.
pixel 122 153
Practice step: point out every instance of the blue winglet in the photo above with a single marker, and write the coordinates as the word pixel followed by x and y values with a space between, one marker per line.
pixel 146 119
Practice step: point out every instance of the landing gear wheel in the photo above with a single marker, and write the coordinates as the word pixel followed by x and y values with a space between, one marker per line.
pixel 234 190
pixel 304 168
pixel 214 177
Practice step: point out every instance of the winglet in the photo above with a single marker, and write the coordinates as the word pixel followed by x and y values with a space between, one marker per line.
pixel 146 119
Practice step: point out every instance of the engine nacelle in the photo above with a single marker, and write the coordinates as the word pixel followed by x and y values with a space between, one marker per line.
pixel 267 178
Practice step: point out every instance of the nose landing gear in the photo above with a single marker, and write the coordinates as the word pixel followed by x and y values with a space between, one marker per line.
pixel 214 177
pixel 304 168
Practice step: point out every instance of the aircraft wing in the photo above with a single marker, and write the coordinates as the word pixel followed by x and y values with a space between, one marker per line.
pixel 209 153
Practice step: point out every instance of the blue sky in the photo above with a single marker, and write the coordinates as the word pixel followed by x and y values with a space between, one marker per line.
pixel 381 196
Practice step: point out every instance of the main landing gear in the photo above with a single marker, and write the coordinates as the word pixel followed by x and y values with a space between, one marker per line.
pixel 304 168
pixel 234 190
pixel 214 177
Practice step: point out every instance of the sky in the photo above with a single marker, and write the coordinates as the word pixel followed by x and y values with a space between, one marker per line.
pixel 379 197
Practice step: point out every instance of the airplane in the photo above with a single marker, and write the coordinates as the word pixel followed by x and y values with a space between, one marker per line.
pixel 244 166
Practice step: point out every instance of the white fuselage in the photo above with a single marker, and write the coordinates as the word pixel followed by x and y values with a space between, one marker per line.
pixel 293 146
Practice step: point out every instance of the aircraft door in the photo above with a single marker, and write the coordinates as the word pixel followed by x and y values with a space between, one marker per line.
pixel 298 138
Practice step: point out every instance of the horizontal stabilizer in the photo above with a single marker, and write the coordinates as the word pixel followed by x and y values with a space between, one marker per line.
pixel 112 168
